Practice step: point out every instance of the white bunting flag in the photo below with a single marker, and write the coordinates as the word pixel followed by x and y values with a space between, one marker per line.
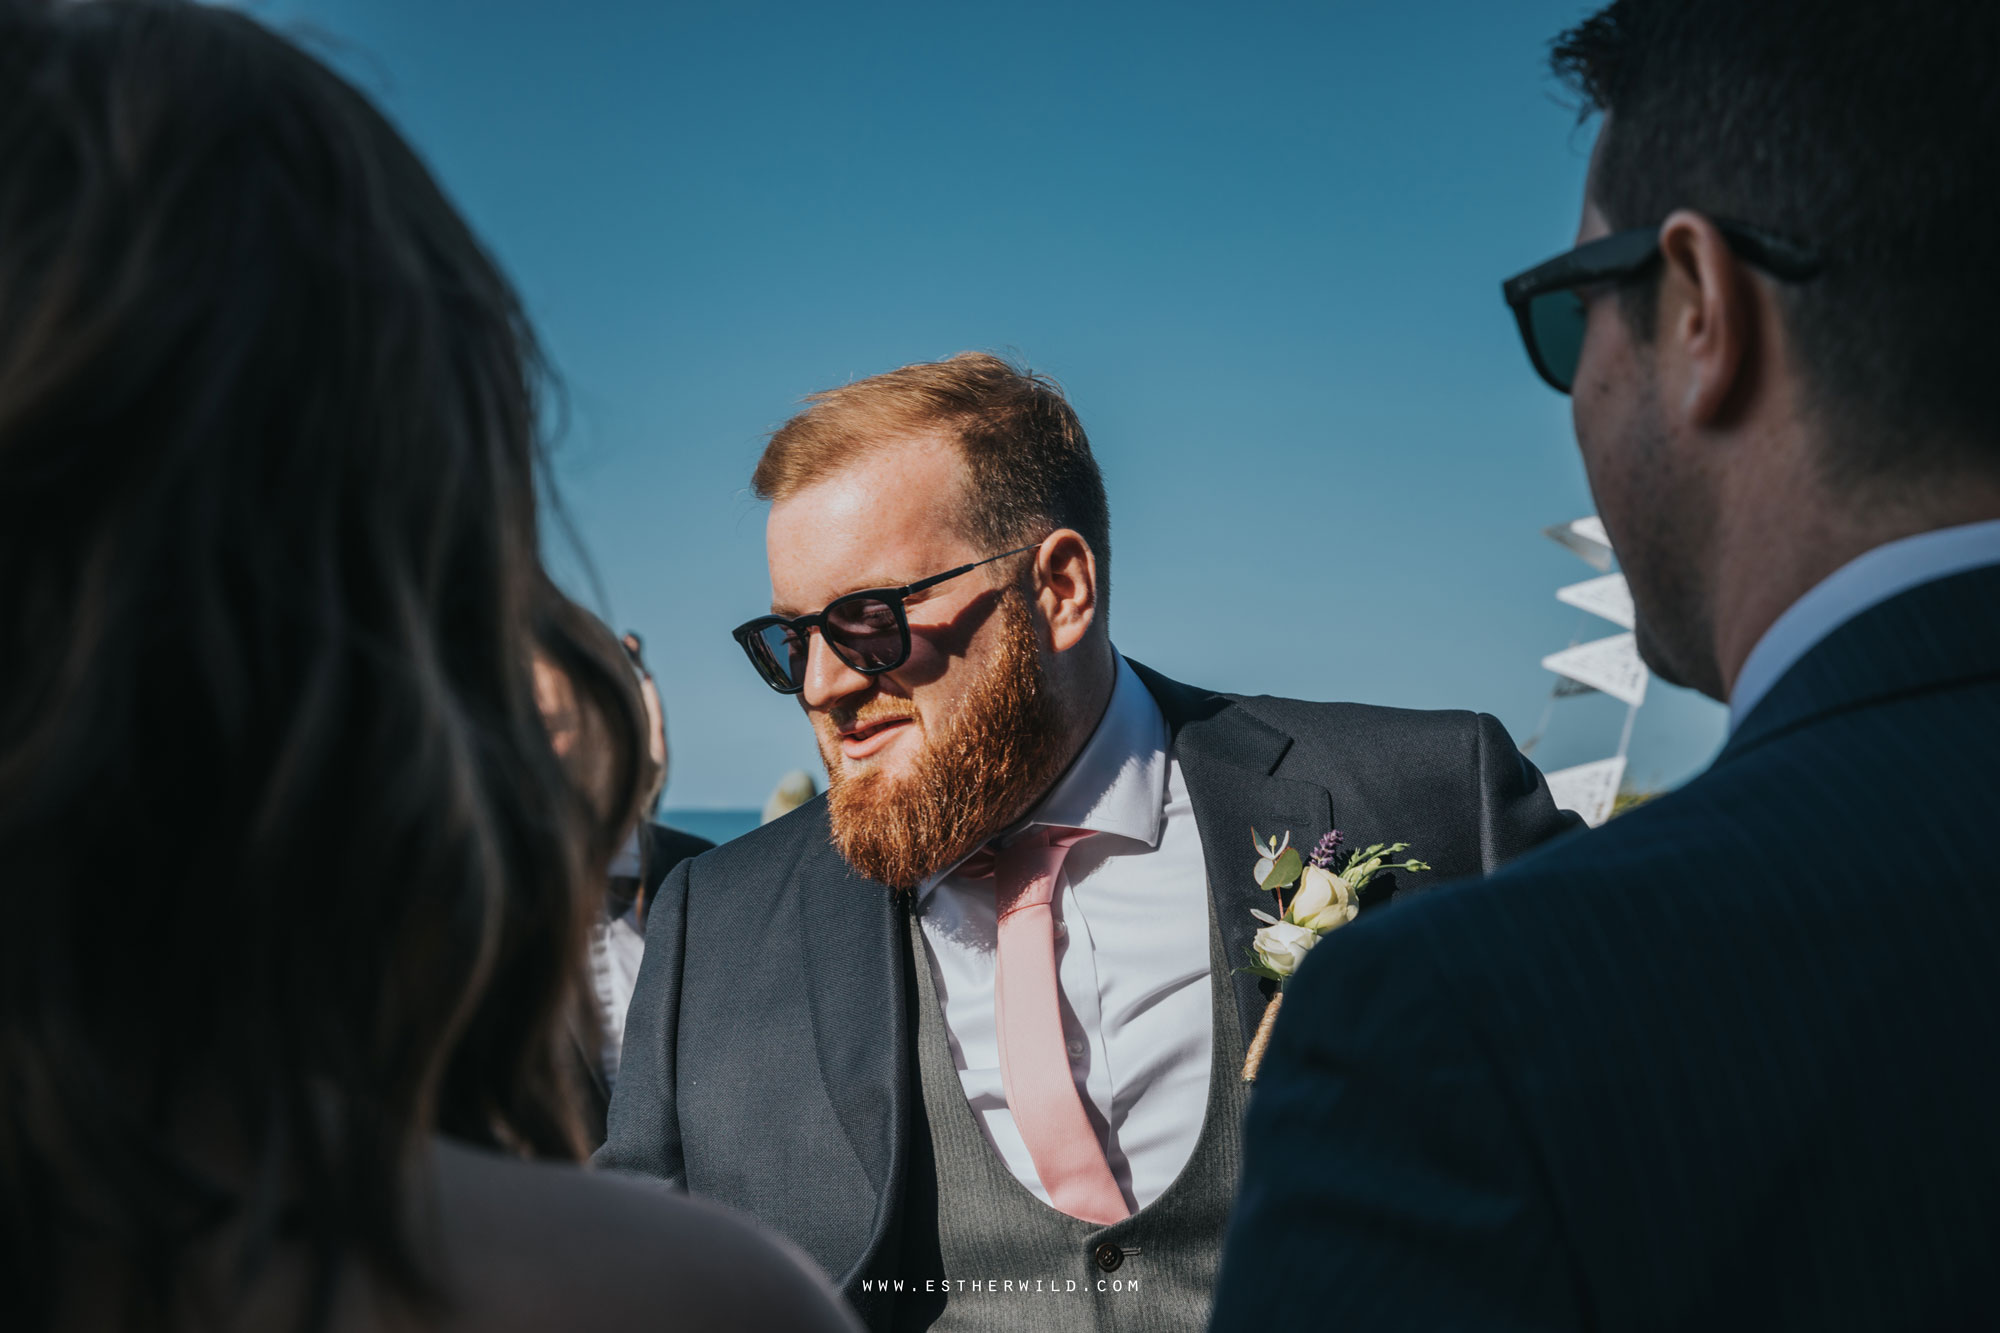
pixel 1589 789
pixel 1607 597
pixel 1611 665
pixel 1586 539
pixel 1591 528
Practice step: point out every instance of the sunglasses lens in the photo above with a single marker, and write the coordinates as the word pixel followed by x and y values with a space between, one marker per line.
pixel 779 656
pixel 867 633
pixel 1557 320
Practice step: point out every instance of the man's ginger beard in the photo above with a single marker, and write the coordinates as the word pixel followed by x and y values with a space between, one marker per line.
pixel 981 768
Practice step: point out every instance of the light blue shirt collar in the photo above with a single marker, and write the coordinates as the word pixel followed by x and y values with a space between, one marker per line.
pixel 1865 581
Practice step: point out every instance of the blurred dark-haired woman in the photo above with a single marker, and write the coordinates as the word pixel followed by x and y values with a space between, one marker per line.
pixel 269 593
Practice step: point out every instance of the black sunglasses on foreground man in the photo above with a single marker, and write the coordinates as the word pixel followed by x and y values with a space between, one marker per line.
pixel 1550 312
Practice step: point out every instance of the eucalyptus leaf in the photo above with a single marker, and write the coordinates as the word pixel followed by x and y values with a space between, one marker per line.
pixel 1285 870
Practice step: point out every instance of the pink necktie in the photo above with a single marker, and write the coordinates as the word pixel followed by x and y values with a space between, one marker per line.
pixel 1034 1060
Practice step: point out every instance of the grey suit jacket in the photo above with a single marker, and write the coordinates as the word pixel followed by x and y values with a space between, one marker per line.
pixel 768 1055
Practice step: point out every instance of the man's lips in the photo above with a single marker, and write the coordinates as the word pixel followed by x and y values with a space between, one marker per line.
pixel 861 739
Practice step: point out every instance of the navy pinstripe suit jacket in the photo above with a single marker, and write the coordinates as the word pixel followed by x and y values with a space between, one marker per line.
pixel 1732 1061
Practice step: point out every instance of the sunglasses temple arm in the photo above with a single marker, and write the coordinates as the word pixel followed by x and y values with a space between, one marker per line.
pixel 922 584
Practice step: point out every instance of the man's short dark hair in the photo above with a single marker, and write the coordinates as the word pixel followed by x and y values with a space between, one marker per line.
pixel 1869 131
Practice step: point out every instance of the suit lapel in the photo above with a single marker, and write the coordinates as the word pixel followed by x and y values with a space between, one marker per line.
pixel 1935 635
pixel 1227 758
pixel 852 942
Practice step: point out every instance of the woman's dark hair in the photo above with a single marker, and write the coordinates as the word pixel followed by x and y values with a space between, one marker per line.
pixel 290 877
pixel 1867 132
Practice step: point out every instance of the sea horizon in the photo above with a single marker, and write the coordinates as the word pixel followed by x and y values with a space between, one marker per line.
pixel 716 823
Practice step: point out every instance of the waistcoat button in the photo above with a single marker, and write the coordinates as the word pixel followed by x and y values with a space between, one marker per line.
pixel 1108 1257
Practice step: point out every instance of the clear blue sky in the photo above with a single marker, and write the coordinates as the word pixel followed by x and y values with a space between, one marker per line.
pixel 1260 245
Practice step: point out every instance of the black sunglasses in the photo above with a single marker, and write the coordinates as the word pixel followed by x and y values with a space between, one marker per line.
pixel 1551 314
pixel 867 630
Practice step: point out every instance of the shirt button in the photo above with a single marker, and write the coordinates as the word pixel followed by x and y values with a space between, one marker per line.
pixel 1076 1048
pixel 1108 1257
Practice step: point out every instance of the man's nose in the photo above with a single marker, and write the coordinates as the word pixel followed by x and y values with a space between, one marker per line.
pixel 828 678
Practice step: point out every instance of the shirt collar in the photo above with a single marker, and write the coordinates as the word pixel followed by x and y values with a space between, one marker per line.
pixel 1867 580
pixel 1118 783
pixel 629 863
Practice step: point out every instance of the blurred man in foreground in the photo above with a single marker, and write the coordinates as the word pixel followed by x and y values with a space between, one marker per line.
pixel 1728 1062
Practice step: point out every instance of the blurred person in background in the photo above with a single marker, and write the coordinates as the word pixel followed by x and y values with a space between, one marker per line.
pixel 648 851
pixel 656 713
pixel 793 790
pixel 269 589
pixel 644 863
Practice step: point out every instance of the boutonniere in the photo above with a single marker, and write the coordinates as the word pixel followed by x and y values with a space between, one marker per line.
pixel 1325 894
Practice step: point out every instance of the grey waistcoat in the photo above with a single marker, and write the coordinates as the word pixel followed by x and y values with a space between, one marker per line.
pixel 1154 1270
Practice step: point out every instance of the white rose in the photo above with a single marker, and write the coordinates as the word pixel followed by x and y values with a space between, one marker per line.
pixel 1282 946
pixel 1323 902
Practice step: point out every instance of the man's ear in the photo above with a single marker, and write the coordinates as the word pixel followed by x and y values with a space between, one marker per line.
pixel 1066 587
pixel 1710 317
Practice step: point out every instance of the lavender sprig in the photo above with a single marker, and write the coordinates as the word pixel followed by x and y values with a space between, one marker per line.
pixel 1325 850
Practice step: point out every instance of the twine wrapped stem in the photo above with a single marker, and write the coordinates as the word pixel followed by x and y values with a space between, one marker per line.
pixel 1262 1039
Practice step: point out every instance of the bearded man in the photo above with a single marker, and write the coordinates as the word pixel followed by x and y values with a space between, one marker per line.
pixel 969 1028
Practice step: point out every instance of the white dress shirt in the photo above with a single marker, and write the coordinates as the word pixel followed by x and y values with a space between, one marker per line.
pixel 1862 582
pixel 1131 956
pixel 616 947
